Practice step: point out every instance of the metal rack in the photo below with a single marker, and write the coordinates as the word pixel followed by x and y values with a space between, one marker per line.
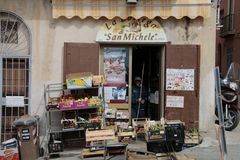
pixel 55 127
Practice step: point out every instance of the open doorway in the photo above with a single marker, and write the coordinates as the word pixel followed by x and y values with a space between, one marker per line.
pixel 146 65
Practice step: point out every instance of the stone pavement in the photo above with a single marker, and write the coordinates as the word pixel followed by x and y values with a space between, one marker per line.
pixel 207 150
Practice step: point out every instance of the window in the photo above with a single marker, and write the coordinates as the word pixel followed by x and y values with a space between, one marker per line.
pixel 229 56
pixel 230 7
pixel 9 32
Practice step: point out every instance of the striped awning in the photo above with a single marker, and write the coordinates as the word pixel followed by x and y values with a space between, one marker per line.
pixel 119 8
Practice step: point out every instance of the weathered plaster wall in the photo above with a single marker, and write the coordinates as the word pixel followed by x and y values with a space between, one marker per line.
pixel 48 37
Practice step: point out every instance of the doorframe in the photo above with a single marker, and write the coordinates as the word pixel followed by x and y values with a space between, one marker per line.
pixel 162 52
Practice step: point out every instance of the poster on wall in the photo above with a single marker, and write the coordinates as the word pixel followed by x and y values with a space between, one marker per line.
pixel 180 79
pixel 115 60
pixel 175 101
pixel 115 93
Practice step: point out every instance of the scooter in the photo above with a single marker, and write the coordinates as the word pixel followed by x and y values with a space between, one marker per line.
pixel 230 90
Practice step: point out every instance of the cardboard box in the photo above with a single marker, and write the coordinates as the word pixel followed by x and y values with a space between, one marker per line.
pixel 98 80
pixel 9 150
pixel 79 80
pixel 122 114
pixel 9 154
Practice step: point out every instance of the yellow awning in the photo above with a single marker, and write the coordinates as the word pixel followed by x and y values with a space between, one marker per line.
pixel 143 8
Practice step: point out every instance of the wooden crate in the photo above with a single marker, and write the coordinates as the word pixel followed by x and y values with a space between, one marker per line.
pixel 192 138
pixel 106 134
pixel 88 153
pixel 118 105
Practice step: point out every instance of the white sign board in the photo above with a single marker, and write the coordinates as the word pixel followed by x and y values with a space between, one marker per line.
pixel 175 101
pixel 180 79
pixel 15 101
pixel 131 30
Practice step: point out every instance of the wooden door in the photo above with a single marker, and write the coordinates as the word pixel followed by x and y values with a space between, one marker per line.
pixel 182 103
pixel 81 57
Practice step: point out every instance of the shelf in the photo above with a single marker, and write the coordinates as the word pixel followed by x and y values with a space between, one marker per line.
pixel 116 85
pixel 65 130
pixel 54 115
pixel 68 151
pixel 59 87
pixel 60 110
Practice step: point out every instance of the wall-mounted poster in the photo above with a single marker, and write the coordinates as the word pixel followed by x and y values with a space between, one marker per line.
pixel 175 101
pixel 115 93
pixel 115 61
pixel 180 79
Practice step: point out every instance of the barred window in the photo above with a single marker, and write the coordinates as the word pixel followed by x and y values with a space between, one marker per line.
pixel 9 32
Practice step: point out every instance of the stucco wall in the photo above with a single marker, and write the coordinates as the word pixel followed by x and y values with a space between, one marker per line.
pixel 48 37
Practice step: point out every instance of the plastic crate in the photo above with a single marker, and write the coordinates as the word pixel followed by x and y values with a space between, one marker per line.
pixel 55 147
pixel 164 146
pixel 175 132
pixel 152 136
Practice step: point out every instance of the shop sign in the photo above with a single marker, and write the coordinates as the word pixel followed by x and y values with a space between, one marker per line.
pixel 131 30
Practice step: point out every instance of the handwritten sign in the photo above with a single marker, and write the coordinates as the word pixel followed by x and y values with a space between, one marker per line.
pixel 14 101
pixel 175 101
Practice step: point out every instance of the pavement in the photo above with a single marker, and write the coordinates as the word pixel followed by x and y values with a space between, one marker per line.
pixel 207 150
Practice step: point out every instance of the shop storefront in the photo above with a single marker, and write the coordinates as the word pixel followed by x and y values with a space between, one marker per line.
pixel 169 40
pixel 170 72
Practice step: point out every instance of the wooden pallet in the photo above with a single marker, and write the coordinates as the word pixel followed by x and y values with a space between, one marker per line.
pixel 145 155
pixel 88 153
pixel 184 157
pixel 140 155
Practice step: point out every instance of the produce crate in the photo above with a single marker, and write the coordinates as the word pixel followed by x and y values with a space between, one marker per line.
pixel 66 105
pixel 175 131
pixel 93 126
pixel 80 104
pixel 126 137
pixel 138 125
pixel 157 135
pixel 79 80
pixel 100 135
pixel 154 131
pixel 192 138
pixel 55 147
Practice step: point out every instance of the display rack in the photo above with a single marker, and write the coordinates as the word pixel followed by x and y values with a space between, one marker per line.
pixel 56 132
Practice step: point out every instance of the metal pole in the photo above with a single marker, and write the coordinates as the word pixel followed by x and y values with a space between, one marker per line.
pixel 140 95
pixel 1 96
pixel 218 98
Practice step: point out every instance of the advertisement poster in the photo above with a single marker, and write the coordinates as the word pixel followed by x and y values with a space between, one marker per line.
pixel 180 79
pixel 115 60
pixel 115 93
pixel 175 101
